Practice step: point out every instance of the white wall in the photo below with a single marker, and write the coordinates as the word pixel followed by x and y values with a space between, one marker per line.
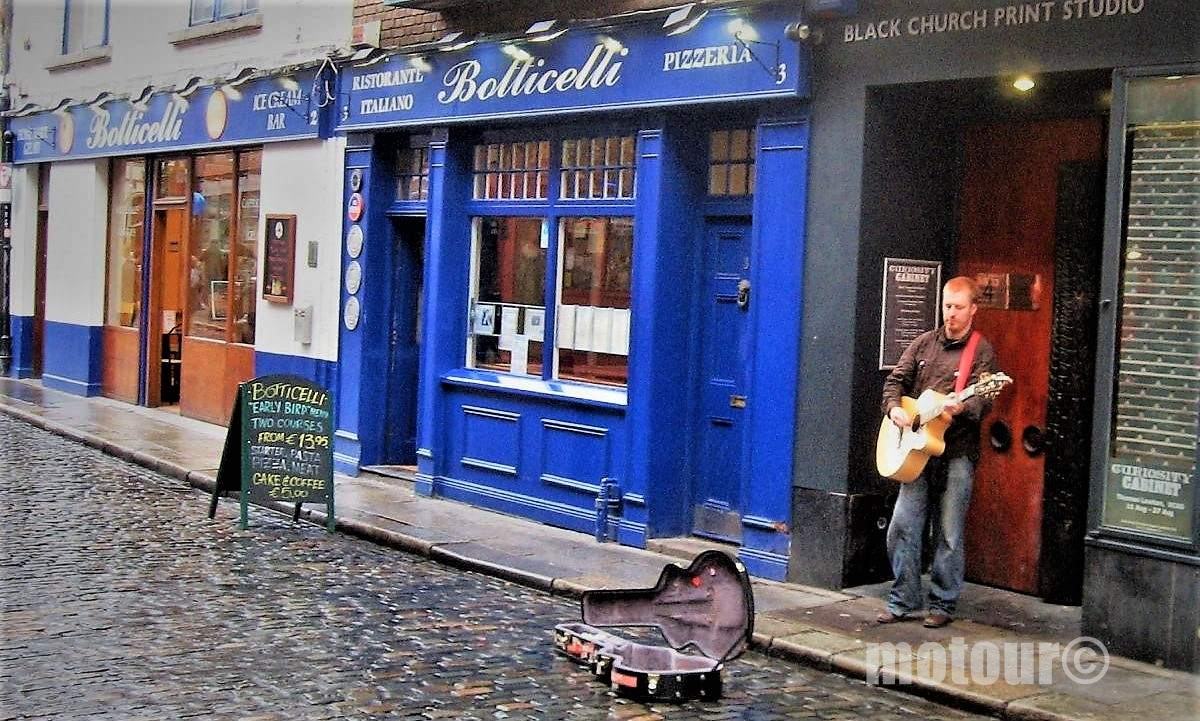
pixel 24 239
pixel 304 178
pixel 292 31
pixel 75 242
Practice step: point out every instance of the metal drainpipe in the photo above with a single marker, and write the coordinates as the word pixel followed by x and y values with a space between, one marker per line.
pixel 608 503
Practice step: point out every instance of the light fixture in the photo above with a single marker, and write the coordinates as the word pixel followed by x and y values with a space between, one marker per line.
pixel 288 83
pixel 189 87
pixel 544 30
pixel 97 103
pixel 454 41
pixel 142 101
pixel 1024 83
pixel 27 109
pixel 521 55
pixel 684 19
pixel 421 63
pixel 230 86
pixel 367 57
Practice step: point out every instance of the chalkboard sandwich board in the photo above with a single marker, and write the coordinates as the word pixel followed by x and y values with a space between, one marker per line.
pixel 279 447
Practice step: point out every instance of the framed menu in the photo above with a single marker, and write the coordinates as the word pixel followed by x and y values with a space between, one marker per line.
pixel 279 261
pixel 911 296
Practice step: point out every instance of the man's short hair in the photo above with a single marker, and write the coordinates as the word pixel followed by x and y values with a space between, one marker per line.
pixel 962 283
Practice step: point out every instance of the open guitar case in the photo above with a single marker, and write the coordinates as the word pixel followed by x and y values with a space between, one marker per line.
pixel 705 612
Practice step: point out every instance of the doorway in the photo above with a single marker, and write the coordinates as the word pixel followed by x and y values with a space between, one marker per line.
pixel 404 341
pixel 165 351
pixel 725 355
pixel 39 272
pixel 1024 184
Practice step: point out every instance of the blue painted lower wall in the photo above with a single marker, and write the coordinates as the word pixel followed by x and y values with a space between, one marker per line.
pixel 72 362
pixel 21 328
pixel 321 372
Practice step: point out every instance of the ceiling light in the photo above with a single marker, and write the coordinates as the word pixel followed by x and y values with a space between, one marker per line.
pixel 1024 83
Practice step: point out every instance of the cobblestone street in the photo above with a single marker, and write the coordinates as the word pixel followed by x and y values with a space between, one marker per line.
pixel 120 599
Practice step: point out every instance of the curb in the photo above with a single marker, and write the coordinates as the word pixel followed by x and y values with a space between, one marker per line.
pixel 814 657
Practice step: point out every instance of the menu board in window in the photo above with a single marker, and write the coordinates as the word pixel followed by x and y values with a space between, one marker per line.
pixel 279 265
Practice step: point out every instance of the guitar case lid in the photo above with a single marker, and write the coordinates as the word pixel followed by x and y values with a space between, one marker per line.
pixel 708 607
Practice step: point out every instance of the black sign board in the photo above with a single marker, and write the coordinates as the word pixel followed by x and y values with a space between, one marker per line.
pixel 280 445
pixel 911 295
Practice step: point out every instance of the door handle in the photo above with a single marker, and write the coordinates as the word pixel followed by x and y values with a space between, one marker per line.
pixel 1033 440
pixel 743 294
pixel 1000 436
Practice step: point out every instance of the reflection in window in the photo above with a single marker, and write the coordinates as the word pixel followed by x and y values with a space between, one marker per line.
pixel 731 162
pixel 212 214
pixel 222 267
pixel 173 178
pixel 126 222
pixel 246 267
pixel 508 311
pixel 593 314
pixel 207 11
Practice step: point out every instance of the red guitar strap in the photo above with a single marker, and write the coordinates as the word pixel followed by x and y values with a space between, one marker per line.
pixel 965 362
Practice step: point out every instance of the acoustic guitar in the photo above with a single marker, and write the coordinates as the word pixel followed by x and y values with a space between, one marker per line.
pixel 901 453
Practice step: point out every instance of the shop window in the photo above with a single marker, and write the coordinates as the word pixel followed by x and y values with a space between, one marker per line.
pixel 597 168
pixel 731 162
pixel 1157 394
pixel 223 263
pixel 207 11
pixel 593 313
pixel 412 171
pixel 85 25
pixel 127 219
pixel 512 171
pixel 245 271
pixel 508 295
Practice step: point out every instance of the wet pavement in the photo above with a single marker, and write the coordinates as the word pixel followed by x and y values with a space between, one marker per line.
pixel 121 599
pixel 821 629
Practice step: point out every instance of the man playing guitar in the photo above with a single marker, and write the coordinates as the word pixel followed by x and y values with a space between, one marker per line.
pixel 932 362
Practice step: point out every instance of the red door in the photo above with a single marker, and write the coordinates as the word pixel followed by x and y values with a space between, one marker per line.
pixel 1007 242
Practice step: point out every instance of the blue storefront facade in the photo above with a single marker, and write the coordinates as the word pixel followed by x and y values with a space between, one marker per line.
pixel 572 275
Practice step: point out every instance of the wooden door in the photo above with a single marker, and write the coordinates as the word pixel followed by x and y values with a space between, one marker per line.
pixel 164 364
pixel 1007 230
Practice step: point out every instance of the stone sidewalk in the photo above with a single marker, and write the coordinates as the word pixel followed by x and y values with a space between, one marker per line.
pixel 827 629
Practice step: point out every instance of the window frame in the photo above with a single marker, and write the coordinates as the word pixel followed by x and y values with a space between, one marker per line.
pixel 218 14
pixel 66 48
pixel 1108 341
pixel 552 210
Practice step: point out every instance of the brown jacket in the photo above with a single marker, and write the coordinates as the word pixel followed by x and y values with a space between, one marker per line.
pixel 931 361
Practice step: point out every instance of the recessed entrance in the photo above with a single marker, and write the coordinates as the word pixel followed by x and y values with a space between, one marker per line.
pixel 1006 186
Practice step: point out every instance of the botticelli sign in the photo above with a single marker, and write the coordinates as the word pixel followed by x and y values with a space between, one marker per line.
pixel 279 447
pixel 1147 499
pixel 911 294
pixel 990 16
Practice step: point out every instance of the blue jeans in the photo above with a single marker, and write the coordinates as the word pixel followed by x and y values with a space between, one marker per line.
pixel 907 529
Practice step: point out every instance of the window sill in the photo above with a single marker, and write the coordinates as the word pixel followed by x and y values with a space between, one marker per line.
pixel 599 396
pixel 217 30
pixel 91 56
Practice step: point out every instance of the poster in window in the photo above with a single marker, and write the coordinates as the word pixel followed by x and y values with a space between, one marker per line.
pixel 279 261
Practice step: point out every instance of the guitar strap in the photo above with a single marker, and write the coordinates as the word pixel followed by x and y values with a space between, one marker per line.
pixel 965 362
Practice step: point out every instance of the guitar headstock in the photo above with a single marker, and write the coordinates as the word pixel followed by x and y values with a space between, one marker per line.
pixel 989 385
